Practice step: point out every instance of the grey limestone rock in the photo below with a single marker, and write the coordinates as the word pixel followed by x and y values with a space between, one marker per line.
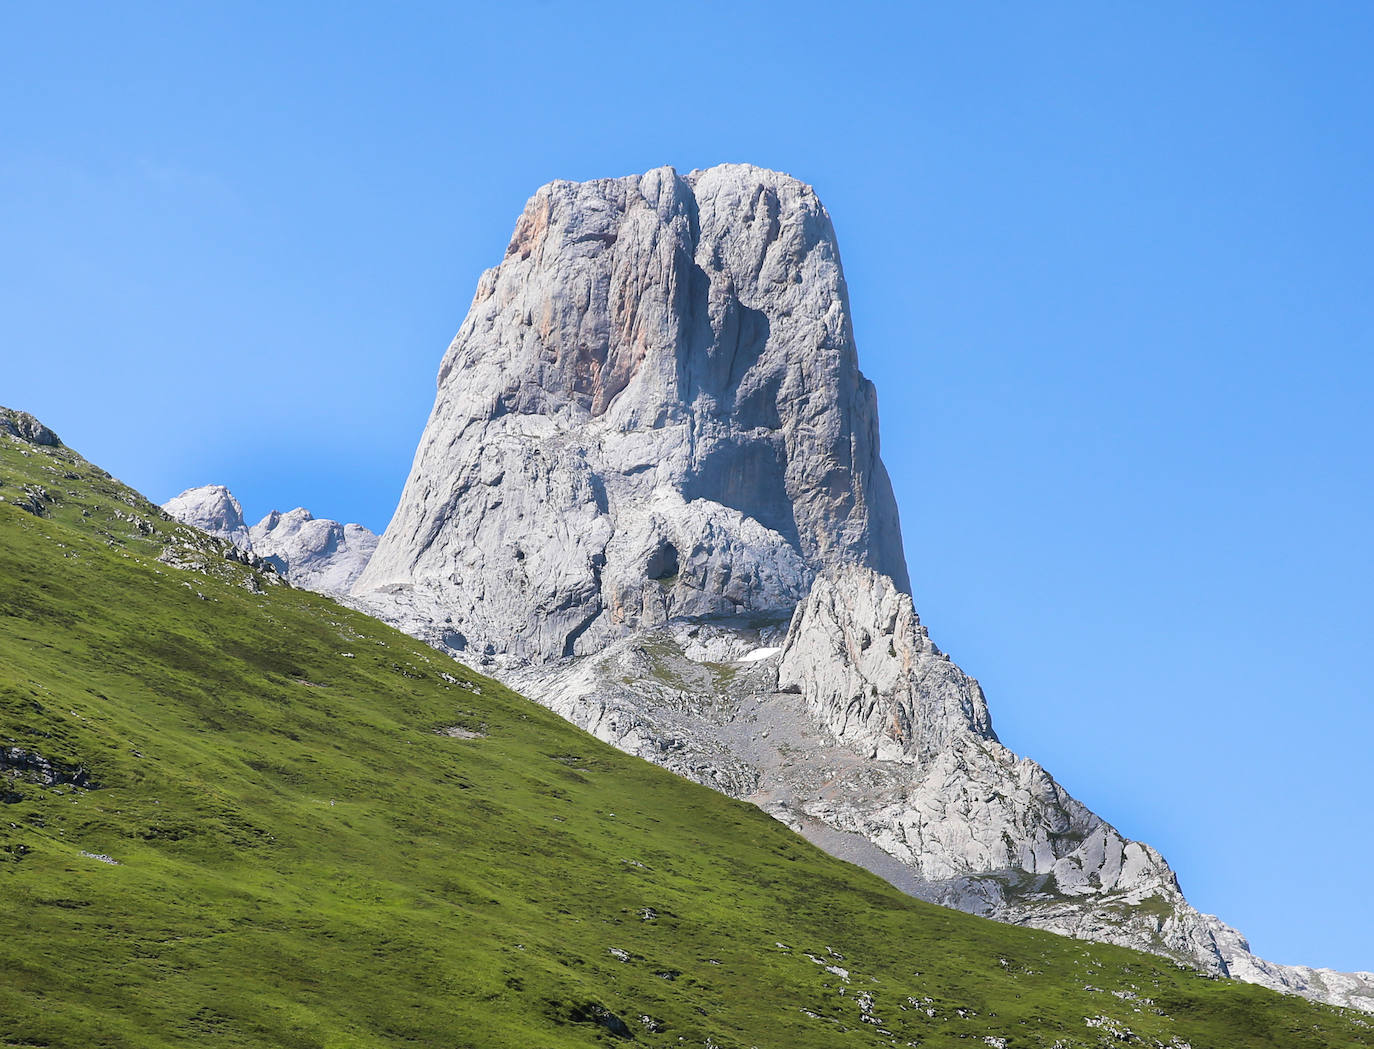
pixel 18 763
pixel 868 671
pixel 313 553
pixel 982 829
pixel 653 410
pixel 1355 990
pixel 211 508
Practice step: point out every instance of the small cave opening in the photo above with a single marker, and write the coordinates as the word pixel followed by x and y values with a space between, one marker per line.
pixel 663 564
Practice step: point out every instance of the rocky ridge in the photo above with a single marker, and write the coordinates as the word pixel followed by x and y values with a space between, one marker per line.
pixel 312 553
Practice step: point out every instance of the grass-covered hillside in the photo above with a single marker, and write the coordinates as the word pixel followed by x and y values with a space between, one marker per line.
pixel 239 814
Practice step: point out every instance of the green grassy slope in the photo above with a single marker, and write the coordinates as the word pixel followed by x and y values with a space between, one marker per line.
pixel 301 858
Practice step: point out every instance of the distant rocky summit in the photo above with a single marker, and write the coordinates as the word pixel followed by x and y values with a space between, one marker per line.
pixel 311 553
pixel 314 553
pixel 211 508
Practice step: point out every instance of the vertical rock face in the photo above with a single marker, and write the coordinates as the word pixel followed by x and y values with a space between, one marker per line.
pixel 653 409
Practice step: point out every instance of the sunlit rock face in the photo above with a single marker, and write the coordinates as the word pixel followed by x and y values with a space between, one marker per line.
pixel 868 671
pixel 653 409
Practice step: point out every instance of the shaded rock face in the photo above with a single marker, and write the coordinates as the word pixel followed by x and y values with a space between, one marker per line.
pixel 653 410
pixel 312 553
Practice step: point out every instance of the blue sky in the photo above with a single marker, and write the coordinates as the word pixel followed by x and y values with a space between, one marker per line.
pixel 1110 268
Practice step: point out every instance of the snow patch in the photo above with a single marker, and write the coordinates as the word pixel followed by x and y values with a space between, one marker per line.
pixel 759 653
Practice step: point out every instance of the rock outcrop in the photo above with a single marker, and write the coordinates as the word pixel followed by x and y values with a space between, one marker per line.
pixel 985 830
pixel 25 427
pixel 312 553
pixel 653 410
pixel 982 829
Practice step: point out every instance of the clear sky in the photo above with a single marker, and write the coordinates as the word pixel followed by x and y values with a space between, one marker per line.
pixel 1110 265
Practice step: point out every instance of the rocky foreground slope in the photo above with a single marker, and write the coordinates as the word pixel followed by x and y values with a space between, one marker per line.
pixel 650 494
